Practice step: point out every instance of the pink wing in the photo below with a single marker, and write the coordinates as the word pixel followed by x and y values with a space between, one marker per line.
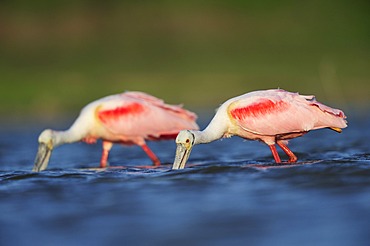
pixel 274 112
pixel 136 115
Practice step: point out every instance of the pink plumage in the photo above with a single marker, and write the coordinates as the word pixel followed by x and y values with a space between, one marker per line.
pixel 271 116
pixel 275 115
pixel 127 118
pixel 276 112
pixel 135 116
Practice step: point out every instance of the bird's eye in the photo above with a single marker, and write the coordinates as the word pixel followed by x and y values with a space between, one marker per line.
pixel 187 140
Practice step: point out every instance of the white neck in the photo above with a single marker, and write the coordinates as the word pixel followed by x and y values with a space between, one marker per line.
pixel 74 134
pixel 215 130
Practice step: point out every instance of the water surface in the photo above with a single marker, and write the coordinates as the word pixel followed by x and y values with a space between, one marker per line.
pixel 230 194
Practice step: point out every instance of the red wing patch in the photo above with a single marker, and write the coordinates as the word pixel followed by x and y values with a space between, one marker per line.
pixel 163 137
pixel 115 114
pixel 257 109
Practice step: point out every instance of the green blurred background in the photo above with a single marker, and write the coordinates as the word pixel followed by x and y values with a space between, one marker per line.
pixel 56 56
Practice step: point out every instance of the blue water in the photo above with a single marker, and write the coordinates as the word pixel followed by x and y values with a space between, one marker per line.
pixel 230 194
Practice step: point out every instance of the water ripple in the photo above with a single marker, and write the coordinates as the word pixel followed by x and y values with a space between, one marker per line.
pixel 237 193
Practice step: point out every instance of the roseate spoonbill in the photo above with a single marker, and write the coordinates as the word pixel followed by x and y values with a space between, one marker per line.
pixel 128 118
pixel 271 116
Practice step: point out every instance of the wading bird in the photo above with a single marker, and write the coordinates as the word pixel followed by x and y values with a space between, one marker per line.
pixel 128 118
pixel 270 116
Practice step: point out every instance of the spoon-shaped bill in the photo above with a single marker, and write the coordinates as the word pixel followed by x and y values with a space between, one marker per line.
pixel 182 155
pixel 42 157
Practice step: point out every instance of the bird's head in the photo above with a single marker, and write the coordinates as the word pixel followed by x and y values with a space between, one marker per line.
pixel 185 141
pixel 47 141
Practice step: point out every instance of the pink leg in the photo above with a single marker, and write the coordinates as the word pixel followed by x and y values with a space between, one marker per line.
pixel 104 157
pixel 275 153
pixel 292 157
pixel 152 156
